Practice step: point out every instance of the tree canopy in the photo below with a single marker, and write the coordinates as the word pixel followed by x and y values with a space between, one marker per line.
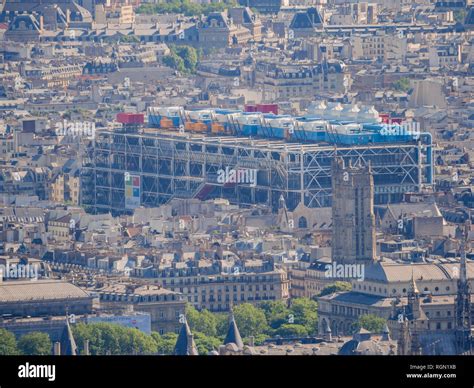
pixel 35 344
pixel 291 330
pixel 305 313
pixel 370 322
pixel 205 343
pixel 336 287
pixel 403 84
pixel 165 343
pixel 201 321
pixel 267 319
pixel 182 58
pixel 185 7
pixel 8 345
pixel 106 338
pixel 250 320
pixel 276 313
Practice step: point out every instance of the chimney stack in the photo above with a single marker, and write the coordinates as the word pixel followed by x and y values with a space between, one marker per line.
pixel 252 341
pixel 57 349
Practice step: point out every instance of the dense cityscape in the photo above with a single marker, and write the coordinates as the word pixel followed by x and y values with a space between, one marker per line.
pixel 219 177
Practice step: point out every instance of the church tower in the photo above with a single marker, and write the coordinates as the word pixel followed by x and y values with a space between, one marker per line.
pixel 414 299
pixel 352 214
pixel 414 317
pixel 463 308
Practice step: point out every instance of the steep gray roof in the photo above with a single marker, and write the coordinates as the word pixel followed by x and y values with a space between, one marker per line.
pixel 414 209
pixel 68 344
pixel 308 19
pixel 185 345
pixel 233 334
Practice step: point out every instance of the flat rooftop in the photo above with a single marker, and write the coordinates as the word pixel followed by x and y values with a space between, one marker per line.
pixel 39 290
pixel 261 144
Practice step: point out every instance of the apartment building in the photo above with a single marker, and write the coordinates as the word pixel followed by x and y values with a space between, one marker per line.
pixel 282 82
pixel 443 56
pixel 219 291
pixel 66 188
pixel 164 306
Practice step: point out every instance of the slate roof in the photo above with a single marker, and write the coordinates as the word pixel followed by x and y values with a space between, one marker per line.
pixel 470 17
pixel 185 345
pixel 233 334
pixel 408 210
pixel 26 290
pixel 308 19
pixel 394 272
pixel 68 344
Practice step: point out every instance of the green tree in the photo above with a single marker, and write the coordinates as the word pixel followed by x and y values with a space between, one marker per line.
pixel 291 330
pixel 35 344
pixel 182 58
pixel 305 312
pixel 370 322
pixel 258 340
pixel 129 39
pixel 250 320
pixel 106 338
pixel 222 324
pixel 8 345
pixel 201 321
pixel 165 343
pixel 403 84
pixel 205 343
pixel 185 7
pixel 175 62
pixel 276 313
pixel 336 287
pixel 134 341
pixel 189 55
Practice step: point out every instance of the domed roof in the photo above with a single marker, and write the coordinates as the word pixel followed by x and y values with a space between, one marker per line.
pixel 250 351
pixel 232 347
pixel 361 344
pixel 361 348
